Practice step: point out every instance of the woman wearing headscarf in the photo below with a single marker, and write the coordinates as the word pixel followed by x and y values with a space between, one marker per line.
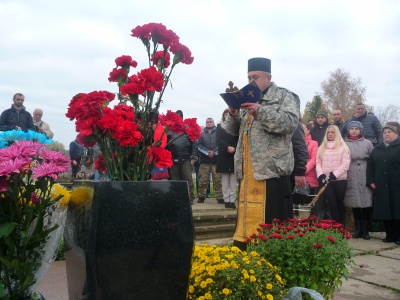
pixel 383 175
pixel 358 194
pixel 226 151
pixel 333 160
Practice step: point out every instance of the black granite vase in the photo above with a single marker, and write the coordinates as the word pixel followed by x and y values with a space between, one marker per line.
pixel 134 240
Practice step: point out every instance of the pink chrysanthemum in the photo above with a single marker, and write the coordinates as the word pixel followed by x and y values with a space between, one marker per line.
pixel 46 169
pixel 56 157
pixel 10 166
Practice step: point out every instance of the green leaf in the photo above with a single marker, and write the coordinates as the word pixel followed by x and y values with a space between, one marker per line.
pixel 7 228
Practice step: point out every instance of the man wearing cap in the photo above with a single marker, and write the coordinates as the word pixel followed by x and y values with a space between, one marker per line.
pixel 264 156
pixel 372 125
pixel 318 131
pixel 317 134
pixel 184 154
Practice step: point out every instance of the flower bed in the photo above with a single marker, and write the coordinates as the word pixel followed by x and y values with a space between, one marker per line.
pixel 311 253
pixel 229 273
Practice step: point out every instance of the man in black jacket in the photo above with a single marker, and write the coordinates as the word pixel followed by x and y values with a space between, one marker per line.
pixel 16 117
pixel 300 153
pixel 318 131
pixel 184 153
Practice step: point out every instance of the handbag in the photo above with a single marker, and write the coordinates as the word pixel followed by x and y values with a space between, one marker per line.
pixel 159 173
pixel 301 195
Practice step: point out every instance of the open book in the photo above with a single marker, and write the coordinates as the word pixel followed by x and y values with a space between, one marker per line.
pixel 249 93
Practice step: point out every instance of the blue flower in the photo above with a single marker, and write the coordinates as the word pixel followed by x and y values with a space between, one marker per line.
pixel 11 136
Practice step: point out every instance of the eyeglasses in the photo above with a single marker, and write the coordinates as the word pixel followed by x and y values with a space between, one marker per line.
pixel 17 99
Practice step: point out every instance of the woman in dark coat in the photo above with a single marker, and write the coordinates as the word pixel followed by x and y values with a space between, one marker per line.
pixel 383 175
pixel 226 151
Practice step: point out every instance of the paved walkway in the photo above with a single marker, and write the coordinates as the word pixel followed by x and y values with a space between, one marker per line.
pixel 376 274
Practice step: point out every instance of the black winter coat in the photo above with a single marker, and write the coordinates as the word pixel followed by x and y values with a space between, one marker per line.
pixel 318 132
pixel 11 118
pixel 225 160
pixel 181 148
pixel 383 169
pixel 300 151
pixel 372 127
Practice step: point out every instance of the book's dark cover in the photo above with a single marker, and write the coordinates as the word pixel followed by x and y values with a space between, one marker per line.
pixel 249 93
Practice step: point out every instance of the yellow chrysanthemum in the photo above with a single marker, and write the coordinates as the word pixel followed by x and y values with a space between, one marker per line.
pixel 191 289
pixel 81 195
pixel 279 278
pixel 58 189
pixel 270 297
pixel 226 291
pixel 269 286
pixel 207 296
pixel 203 284
pixel 253 278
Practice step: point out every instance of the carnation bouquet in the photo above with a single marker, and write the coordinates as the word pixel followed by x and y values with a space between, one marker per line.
pixel 311 253
pixel 131 134
pixel 229 273
pixel 30 216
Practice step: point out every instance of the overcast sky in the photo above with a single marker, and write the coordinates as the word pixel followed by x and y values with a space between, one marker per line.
pixel 51 50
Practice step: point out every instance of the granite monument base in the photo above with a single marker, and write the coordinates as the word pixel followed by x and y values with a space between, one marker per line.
pixel 136 240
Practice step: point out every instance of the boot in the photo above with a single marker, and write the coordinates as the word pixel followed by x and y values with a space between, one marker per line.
pixel 357 234
pixel 357 221
pixel 364 230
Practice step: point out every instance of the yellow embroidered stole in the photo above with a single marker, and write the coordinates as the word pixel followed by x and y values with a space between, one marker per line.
pixel 252 196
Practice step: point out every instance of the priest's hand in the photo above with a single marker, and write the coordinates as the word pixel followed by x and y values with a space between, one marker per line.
pixel 250 107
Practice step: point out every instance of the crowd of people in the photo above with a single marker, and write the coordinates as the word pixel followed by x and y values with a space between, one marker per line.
pixel 265 151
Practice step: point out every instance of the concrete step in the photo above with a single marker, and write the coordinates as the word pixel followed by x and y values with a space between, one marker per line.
pixel 220 242
pixel 214 224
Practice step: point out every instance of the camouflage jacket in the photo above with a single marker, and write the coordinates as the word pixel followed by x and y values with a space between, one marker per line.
pixel 270 134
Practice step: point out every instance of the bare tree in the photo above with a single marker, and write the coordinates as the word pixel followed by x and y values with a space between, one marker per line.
pixel 387 113
pixel 341 91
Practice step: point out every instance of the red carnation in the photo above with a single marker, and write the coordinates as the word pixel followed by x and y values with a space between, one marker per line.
pixel 132 89
pixel 182 53
pixel 275 220
pixel 301 234
pixel 126 133
pixel 86 141
pixel 162 157
pixel 192 129
pixel 311 229
pixel 151 79
pixel 125 61
pixel 173 121
pixel 161 59
pixel 290 237
pixel 100 164
pixel 117 75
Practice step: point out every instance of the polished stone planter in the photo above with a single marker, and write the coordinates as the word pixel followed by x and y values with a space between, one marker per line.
pixel 134 240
